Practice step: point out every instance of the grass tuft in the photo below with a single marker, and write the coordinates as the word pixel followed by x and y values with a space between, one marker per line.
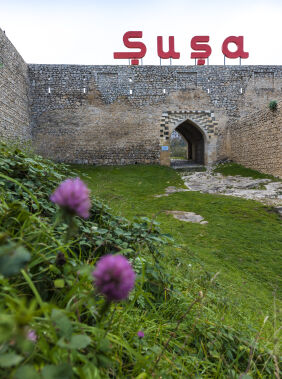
pixel 233 169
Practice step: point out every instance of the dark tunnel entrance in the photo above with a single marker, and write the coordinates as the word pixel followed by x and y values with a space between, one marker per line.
pixel 187 143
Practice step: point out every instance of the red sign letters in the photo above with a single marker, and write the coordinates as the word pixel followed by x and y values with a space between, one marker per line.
pixel 171 53
pixel 204 49
pixel 239 53
pixel 199 44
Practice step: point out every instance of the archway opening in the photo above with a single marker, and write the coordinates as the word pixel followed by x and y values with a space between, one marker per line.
pixel 187 144
pixel 179 148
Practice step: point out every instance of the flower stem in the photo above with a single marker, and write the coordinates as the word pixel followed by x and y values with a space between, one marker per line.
pixel 110 321
pixel 104 310
pixel 34 290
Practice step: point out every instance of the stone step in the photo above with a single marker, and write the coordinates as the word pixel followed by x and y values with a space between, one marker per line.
pixel 179 164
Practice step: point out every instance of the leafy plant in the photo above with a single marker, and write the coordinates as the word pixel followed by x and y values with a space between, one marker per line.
pixel 12 259
pixel 273 105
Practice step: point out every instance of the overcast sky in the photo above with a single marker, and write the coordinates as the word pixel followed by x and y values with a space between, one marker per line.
pixel 88 32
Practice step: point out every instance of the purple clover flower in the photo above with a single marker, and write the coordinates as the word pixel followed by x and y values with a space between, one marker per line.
pixel 140 334
pixel 31 335
pixel 114 277
pixel 73 195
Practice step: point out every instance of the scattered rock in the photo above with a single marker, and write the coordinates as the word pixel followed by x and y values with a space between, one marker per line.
pixel 170 190
pixel 279 210
pixel 187 217
pixel 263 190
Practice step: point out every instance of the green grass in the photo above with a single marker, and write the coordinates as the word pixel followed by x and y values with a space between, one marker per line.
pixel 234 169
pixel 242 240
pixel 201 299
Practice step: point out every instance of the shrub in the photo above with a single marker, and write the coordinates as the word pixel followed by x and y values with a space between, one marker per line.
pixel 273 105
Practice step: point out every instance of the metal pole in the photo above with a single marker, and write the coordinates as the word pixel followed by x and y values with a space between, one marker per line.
pixel 129 62
pixel 160 61
pixel 224 60
pixel 170 61
pixel 240 61
pixel 195 62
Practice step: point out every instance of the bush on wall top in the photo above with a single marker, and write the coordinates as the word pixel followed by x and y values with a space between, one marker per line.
pixel 273 105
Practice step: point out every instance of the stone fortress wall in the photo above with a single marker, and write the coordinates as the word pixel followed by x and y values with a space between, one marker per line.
pixel 125 114
pixel 14 88
pixel 256 141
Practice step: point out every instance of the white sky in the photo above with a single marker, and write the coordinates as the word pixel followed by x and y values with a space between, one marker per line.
pixel 88 32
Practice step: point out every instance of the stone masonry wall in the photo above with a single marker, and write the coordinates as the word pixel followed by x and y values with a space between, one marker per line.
pixel 14 88
pixel 256 141
pixel 126 114
pixel 114 114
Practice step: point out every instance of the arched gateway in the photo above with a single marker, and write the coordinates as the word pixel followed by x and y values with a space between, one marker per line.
pixel 198 128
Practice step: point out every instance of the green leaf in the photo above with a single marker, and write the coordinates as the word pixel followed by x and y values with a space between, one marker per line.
pixel 10 359
pixel 7 325
pixel 80 341
pixel 104 361
pixel 143 375
pixel 156 349
pixel 62 371
pixel 59 283
pixel 104 345
pixel 62 323
pixel 77 342
pixel 26 372
pixel 12 259
pixel 88 371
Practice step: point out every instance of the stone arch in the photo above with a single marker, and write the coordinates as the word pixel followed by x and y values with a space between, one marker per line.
pixel 196 139
pixel 200 122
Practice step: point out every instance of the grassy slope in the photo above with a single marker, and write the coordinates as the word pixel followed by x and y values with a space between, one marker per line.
pixel 242 240
pixel 214 338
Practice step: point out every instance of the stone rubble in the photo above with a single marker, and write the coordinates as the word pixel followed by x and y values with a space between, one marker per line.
pixel 263 190
pixel 171 189
pixel 187 217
